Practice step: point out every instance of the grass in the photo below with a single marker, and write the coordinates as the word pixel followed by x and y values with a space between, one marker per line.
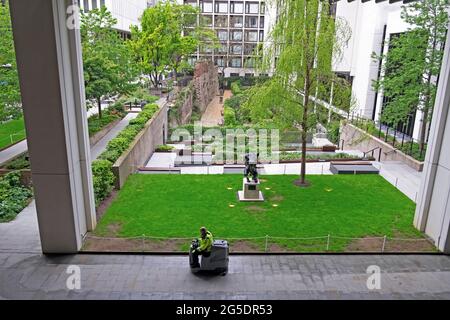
pixel 12 127
pixel 177 205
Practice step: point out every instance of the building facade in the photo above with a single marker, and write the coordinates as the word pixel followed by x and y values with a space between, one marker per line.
pixel 127 12
pixel 373 25
pixel 241 27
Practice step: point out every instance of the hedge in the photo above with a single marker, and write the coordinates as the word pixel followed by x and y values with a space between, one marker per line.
pixel 103 176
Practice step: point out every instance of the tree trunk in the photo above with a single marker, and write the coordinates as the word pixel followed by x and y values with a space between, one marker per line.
pixel 99 105
pixel 304 137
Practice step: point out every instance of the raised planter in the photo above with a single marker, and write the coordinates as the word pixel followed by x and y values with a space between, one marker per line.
pixel 356 139
pixel 142 147
pixel 99 135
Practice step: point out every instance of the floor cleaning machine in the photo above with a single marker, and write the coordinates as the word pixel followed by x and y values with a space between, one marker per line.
pixel 217 262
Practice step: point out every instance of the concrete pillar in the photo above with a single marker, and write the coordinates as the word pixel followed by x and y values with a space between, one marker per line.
pixel 51 82
pixel 433 206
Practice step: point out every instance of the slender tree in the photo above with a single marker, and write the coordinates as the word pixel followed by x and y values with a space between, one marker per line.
pixel 9 80
pixel 303 44
pixel 412 64
pixel 168 34
pixel 108 65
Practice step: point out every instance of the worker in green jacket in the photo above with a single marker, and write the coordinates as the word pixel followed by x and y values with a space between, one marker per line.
pixel 204 248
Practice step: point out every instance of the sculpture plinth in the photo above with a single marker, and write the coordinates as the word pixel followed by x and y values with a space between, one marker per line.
pixel 250 191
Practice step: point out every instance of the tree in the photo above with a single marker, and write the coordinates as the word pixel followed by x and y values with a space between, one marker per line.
pixel 108 66
pixel 168 34
pixel 412 64
pixel 302 45
pixel 9 79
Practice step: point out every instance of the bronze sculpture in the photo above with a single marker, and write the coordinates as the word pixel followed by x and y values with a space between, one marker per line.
pixel 251 160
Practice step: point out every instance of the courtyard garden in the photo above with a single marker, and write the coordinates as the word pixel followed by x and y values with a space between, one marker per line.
pixel 338 213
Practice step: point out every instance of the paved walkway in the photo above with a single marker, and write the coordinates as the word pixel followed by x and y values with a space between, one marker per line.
pixel 13 151
pixel 403 177
pixel 213 113
pixel 32 276
pixel 100 146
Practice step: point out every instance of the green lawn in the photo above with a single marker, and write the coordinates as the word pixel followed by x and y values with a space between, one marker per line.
pixel 177 205
pixel 13 127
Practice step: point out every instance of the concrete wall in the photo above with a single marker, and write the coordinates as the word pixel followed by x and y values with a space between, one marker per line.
pixel 99 135
pixel 356 139
pixel 143 146
pixel 433 206
pixel 206 84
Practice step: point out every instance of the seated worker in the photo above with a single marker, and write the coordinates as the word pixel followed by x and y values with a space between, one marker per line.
pixel 204 249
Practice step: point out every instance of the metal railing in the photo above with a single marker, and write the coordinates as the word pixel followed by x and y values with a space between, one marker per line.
pixel 264 244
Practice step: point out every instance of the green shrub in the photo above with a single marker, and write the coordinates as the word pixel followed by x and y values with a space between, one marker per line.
pixel 13 196
pixel 229 116
pixel 102 169
pixel 19 163
pixel 103 179
pixel 164 148
pixel 236 88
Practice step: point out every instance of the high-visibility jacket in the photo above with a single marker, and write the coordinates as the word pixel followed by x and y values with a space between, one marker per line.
pixel 206 244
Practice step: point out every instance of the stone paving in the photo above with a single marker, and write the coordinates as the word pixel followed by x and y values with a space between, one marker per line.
pixel 32 276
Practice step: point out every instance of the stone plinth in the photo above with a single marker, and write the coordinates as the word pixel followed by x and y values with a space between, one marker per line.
pixel 250 191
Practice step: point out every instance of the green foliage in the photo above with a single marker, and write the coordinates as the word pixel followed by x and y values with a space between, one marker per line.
pixel 236 88
pixel 339 205
pixel 108 65
pixel 333 130
pixel 413 60
pixel 19 163
pixel 103 179
pixel 14 129
pixel 10 101
pixel 13 196
pixel 164 148
pixel 102 169
pixel 96 124
pixel 322 156
pixel 303 42
pixel 229 116
pixel 186 93
pixel 161 43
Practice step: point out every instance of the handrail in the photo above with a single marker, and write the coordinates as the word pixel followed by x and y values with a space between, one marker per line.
pixel 372 151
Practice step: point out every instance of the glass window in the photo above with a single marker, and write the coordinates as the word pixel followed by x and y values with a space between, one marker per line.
pixel 236 63
pixel 94 4
pixel 86 5
pixel 223 48
pixel 249 48
pixel 207 20
pixel 102 3
pixel 251 7
pixel 207 6
pixel 261 22
pixel 251 36
pixel 249 63
pixel 236 35
pixel 221 21
pixel 236 22
pixel 263 8
pixel 237 7
pixel 220 61
pixel 222 7
pixel 251 22
pixel 261 36
pixel 222 35
pixel 236 49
